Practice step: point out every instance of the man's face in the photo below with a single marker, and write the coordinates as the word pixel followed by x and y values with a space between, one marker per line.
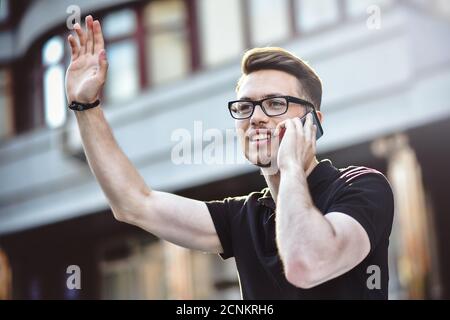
pixel 255 133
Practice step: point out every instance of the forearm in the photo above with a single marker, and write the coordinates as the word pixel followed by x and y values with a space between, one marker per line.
pixel 120 181
pixel 304 237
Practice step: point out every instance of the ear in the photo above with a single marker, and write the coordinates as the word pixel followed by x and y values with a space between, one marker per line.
pixel 320 116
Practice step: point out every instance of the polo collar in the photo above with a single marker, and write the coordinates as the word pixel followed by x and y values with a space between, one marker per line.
pixel 320 174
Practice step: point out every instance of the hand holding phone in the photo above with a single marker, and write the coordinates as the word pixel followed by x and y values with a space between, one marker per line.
pixel 316 121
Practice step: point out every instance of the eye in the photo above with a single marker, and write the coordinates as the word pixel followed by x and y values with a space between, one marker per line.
pixel 276 103
pixel 242 107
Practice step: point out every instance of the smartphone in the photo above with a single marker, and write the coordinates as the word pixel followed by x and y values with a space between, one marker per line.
pixel 316 121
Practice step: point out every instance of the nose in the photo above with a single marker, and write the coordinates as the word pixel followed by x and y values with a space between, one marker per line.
pixel 258 116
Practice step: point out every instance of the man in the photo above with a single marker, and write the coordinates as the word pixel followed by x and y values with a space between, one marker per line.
pixel 316 232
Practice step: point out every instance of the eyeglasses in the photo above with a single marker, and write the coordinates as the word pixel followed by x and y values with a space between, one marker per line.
pixel 272 106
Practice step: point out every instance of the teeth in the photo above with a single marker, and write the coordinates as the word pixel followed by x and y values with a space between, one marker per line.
pixel 260 137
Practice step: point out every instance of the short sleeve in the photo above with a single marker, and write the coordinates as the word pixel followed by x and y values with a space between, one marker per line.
pixel 369 200
pixel 221 213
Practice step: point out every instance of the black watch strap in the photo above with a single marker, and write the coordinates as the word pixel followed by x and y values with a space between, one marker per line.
pixel 78 106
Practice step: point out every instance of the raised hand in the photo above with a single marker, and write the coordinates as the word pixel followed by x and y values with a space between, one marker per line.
pixel 86 73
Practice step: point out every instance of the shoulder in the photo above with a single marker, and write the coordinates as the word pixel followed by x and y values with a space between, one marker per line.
pixel 363 177
pixel 366 195
pixel 359 182
pixel 358 173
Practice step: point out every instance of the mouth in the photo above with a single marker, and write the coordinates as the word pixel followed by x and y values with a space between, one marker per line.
pixel 260 137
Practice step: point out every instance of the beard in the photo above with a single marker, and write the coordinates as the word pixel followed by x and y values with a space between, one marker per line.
pixel 264 165
pixel 261 156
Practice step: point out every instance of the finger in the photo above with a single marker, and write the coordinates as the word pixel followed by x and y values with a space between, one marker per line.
pixel 81 37
pixel 279 127
pixel 99 43
pixel 73 46
pixel 298 126
pixel 290 127
pixel 103 62
pixel 308 127
pixel 90 35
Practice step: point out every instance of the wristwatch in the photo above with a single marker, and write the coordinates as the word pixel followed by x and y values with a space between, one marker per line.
pixel 78 106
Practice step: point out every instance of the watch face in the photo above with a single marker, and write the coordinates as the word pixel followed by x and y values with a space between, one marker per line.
pixel 76 106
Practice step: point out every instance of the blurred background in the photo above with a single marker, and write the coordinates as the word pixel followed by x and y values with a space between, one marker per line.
pixel 385 66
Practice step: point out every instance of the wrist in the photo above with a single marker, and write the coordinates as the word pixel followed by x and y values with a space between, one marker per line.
pixel 78 106
pixel 290 167
pixel 93 114
pixel 82 99
pixel 293 169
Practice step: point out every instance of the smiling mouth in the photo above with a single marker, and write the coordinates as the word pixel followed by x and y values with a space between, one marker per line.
pixel 260 137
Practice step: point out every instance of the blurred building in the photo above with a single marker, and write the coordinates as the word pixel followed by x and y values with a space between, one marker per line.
pixel 385 65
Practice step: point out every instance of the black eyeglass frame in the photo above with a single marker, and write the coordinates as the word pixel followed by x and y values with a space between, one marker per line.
pixel 260 102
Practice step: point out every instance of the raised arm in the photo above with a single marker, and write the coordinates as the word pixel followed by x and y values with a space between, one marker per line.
pixel 183 221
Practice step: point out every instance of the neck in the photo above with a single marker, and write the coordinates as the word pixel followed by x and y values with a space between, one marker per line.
pixel 273 180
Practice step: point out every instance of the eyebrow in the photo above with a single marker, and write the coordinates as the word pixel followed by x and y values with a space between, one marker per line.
pixel 270 95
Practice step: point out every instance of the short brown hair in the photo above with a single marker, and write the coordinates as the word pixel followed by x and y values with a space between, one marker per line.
pixel 280 59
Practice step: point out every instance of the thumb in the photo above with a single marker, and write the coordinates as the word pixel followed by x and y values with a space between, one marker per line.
pixel 280 128
pixel 103 62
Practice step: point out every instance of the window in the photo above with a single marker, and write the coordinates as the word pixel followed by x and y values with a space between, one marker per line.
pixel 269 21
pixel 6 116
pixel 54 98
pixel 131 268
pixel 123 77
pixel 314 14
pixel 166 40
pixel 119 24
pixel 359 7
pixel 4 10
pixel 221 32
pixel 119 30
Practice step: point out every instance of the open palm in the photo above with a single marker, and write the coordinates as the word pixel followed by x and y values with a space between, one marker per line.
pixel 86 73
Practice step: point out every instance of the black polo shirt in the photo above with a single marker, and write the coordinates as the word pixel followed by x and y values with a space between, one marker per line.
pixel 246 229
